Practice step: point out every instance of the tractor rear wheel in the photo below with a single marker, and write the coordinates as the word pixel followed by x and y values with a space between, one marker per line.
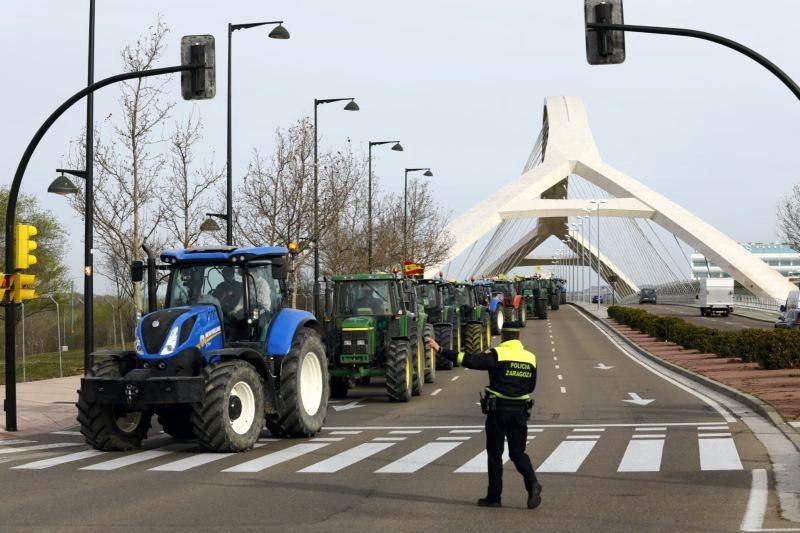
pixel 418 381
pixel 304 387
pixel 230 417
pixel 497 320
pixel 399 371
pixel 472 342
pixel 444 336
pixel 555 302
pixel 176 420
pixel 542 309
pixel 523 316
pixel 110 427
pixel 430 356
pixel 488 339
pixel 339 386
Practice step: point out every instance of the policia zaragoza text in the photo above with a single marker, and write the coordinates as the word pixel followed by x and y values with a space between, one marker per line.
pixel 507 405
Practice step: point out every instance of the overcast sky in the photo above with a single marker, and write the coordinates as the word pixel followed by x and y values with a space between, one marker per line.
pixel 459 82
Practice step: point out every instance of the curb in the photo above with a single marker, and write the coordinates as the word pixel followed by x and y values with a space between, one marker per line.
pixel 759 406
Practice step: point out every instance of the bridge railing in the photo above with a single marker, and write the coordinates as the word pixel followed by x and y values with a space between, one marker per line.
pixel 686 295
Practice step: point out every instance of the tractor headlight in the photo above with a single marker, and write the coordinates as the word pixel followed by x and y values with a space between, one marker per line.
pixel 347 343
pixel 172 342
pixel 137 347
pixel 360 342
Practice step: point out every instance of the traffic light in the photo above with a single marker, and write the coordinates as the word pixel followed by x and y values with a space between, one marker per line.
pixel 604 47
pixel 23 287
pixel 25 245
pixel 199 83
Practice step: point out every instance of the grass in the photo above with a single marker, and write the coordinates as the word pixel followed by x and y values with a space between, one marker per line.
pixel 45 366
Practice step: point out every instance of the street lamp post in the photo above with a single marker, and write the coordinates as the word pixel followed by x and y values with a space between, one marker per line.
pixel 598 203
pixel 397 148
pixel 405 206
pixel 351 106
pixel 279 32
pixel 58 336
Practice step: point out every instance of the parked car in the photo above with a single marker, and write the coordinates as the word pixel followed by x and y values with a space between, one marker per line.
pixel 648 296
pixel 790 320
pixel 602 299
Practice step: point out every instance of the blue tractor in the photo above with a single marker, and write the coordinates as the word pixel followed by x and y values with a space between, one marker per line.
pixel 221 360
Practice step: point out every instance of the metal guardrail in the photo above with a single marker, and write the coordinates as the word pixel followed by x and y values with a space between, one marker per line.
pixel 740 301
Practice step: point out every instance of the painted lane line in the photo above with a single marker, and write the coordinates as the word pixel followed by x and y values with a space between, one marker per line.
pixel 190 462
pixel 558 367
pixel 328 439
pixel 583 437
pixel 389 439
pixel 437 391
pixel 347 458
pixel 642 456
pixel 552 342
pixel 466 431
pixel 12 442
pixel 55 461
pixel 713 428
pixel 567 457
pixel 405 432
pixel 553 349
pixel 554 357
pixel 560 377
pixel 753 519
pixel 418 458
pixel 563 390
pixel 535 430
pixel 455 438
pixel 651 429
pixel 276 458
pixel 588 429
pixel 702 435
pixel 419 429
pixel 68 433
pixel 454 378
pixel 127 460
pixel 352 432
pixel 478 464
pixel 650 436
pixel 708 401
pixel 39 447
pixel 719 454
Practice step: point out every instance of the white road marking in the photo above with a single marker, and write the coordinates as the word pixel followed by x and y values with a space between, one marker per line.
pixel 567 457
pixel 466 431
pixel 418 458
pixel 563 390
pixel 650 436
pixel 127 460
pixel 55 461
pixel 558 367
pixel 437 391
pixel 39 447
pixel 578 430
pixel 713 428
pixel 347 458
pixel 405 432
pixel 753 519
pixel 70 433
pixel 419 429
pixel 552 342
pixel 651 429
pixel 12 442
pixel 194 460
pixel 454 438
pixel 276 458
pixel 353 432
pixel 328 439
pixel 554 351
pixel 479 463
pixel 642 456
pixel 454 378
pixel 583 437
pixel 719 454
pixel 560 377
pixel 389 439
pixel 714 435
pixel 708 401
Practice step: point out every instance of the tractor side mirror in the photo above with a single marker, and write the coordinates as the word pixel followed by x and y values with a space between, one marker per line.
pixel 137 271
pixel 783 308
pixel 279 268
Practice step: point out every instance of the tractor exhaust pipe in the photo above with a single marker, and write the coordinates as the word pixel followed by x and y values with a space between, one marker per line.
pixel 152 286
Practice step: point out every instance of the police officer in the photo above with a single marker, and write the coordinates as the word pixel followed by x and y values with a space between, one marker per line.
pixel 507 404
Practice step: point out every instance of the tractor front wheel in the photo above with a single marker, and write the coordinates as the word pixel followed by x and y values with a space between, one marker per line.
pixel 430 356
pixel 523 316
pixel 473 335
pixel 111 427
pixel 444 336
pixel 399 371
pixel 497 321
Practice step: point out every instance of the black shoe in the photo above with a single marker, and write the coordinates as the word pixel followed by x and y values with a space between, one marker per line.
pixel 534 496
pixel 486 502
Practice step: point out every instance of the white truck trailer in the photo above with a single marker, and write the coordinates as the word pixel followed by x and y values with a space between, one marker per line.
pixel 715 296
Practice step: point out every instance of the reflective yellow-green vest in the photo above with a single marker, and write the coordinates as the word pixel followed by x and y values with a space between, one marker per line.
pixel 514 375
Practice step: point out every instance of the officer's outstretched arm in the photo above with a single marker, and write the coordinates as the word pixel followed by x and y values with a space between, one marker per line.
pixel 477 361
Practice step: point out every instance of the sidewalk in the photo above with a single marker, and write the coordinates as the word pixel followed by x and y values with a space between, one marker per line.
pixel 778 388
pixel 43 406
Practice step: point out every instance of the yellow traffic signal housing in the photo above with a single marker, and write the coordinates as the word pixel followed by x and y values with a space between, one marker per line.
pixel 23 287
pixel 24 259
pixel 5 286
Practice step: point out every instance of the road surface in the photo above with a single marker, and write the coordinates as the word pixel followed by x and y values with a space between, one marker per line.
pixel 692 314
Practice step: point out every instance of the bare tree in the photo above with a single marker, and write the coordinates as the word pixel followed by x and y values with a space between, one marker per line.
pixel 128 166
pixel 789 217
pixel 188 190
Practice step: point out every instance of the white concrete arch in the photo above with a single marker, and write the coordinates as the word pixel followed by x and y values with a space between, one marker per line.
pixel 569 149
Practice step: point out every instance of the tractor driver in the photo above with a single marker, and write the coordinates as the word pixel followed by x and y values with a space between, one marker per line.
pixel 230 293
pixel 369 300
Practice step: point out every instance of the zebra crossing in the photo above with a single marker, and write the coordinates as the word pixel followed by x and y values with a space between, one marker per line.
pixel 558 450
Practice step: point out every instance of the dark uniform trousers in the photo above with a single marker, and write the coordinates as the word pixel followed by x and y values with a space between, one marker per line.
pixel 512 378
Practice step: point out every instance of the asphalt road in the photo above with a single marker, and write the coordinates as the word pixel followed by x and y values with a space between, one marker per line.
pixel 692 314
pixel 674 464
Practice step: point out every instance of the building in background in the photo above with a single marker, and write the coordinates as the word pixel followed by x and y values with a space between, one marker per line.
pixel 780 256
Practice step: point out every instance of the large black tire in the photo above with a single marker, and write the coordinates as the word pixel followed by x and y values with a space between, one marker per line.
pixel 554 301
pixel 509 318
pixel 472 338
pixel 430 356
pixel 542 309
pixel 444 336
pixel 399 371
pixel 339 386
pixel 109 427
pixel 497 320
pixel 303 411
pixel 176 420
pixel 418 380
pixel 487 341
pixel 523 316
pixel 230 417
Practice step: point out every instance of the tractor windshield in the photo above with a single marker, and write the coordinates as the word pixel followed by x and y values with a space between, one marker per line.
pixel 502 287
pixel 218 285
pixel 426 294
pixel 527 285
pixel 448 295
pixel 463 295
pixel 373 297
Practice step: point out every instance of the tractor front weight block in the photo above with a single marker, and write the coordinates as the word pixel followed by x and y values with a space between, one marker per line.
pixel 137 392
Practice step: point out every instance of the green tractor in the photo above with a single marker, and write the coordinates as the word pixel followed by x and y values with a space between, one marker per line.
pixel 474 317
pixel 535 292
pixel 371 332
pixel 438 300
pixel 554 293
pixel 424 327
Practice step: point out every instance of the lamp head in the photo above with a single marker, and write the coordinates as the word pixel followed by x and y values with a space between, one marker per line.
pixel 279 32
pixel 63 186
